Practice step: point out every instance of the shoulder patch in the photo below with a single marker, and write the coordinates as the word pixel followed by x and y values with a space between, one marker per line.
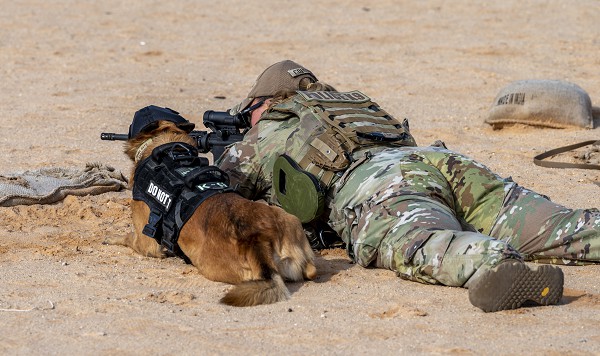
pixel 334 96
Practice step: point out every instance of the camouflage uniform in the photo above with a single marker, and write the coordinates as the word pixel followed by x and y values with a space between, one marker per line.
pixel 427 213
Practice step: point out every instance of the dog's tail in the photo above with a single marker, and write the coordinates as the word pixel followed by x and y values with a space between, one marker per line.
pixel 250 293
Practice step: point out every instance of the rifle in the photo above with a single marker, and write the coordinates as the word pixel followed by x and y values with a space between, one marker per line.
pixel 225 129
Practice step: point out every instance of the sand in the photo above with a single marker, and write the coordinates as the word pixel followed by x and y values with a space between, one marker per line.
pixel 73 69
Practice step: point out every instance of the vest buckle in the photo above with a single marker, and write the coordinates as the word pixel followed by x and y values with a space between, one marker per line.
pixel 151 228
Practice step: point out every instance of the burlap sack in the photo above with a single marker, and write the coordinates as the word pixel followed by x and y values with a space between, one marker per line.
pixel 49 185
pixel 547 103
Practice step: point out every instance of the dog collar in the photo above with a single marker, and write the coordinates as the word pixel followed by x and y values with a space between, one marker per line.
pixel 141 149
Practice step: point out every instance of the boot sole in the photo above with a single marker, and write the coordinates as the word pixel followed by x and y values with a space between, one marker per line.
pixel 511 284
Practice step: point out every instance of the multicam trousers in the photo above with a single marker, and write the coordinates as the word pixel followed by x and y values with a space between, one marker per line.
pixel 438 217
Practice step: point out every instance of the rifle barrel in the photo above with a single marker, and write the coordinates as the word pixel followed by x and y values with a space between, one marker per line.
pixel 110 136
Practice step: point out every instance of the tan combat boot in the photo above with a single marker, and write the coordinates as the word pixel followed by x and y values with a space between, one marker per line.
pixel 512 283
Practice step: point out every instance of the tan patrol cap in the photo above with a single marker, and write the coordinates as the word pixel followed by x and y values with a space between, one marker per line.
pixel 284 75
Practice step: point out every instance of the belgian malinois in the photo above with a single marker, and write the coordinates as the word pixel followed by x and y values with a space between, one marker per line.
pixel 229 239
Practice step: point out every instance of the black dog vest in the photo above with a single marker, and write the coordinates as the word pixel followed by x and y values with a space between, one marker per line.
pixel 173 181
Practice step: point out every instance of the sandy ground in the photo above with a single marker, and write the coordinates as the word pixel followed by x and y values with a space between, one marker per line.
pixel 72 69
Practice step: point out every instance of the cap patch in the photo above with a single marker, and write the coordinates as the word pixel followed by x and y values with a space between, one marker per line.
pixel 298 72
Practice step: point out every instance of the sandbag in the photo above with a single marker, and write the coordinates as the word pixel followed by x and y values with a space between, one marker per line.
pixel 546 103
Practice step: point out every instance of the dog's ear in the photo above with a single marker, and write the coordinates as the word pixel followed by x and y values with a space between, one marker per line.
pixel 186 126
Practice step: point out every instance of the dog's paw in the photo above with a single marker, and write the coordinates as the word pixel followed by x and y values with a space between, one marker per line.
pixel 160 252
pixel 122 240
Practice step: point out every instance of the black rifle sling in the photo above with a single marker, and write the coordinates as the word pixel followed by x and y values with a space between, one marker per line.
pixel 539 159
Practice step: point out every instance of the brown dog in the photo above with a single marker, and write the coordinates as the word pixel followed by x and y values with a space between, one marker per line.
pixel 228 238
